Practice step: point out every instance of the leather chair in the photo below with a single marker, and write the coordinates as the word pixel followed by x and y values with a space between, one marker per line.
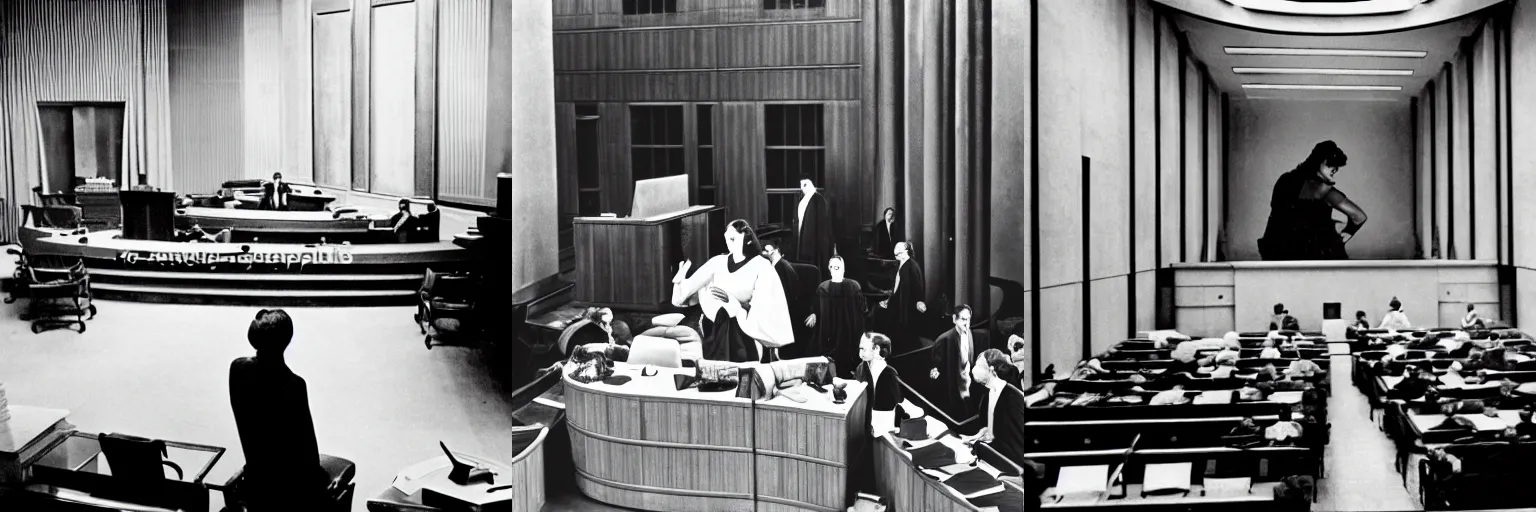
pixel 446 312
pixel 338 492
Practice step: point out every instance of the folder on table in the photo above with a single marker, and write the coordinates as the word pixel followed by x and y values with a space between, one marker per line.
pixel 935 455
pixel 974 483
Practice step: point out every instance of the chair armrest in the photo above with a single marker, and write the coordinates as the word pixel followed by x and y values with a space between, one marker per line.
pixel 175 467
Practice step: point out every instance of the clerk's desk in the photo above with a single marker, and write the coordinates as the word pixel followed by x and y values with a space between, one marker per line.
pixel 645 445
pixel 629 262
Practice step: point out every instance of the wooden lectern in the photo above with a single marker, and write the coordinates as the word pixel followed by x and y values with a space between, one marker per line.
pixel 628 263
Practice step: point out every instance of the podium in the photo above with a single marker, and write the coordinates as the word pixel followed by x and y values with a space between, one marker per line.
pixel 627 263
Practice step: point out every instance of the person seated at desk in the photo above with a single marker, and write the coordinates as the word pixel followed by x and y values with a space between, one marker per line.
pixel 887 405
pixel 1414 386
pixel 1173 396
pixel 1246 427
pixel 283 465
pixel 1303 368
pixel 275 193
pixel 1396 319
pixel 403 221
pixel 198 235
pixel 1285 431
pixel 1525 430
pixel 1352 331
pixel 1250 392
pixel 1002 408
pixel 1269 351
pixel 1471 320
pixel 1283 321
pixel 1455 422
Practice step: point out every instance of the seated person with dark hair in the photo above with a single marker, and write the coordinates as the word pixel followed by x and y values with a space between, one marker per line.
pixel 1525 429
pixel 1414 386
pixel 283 466
pixel 403 220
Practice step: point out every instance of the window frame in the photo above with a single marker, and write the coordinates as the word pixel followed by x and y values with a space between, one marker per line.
pixel 774 193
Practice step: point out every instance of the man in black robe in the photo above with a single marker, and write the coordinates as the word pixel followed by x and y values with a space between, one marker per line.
pixel 838 318
pixel 813 226
pixel 275 193
pixel 277 432
pixel 887 233
pixel 792 295
pixel 903 312
pixel 953 354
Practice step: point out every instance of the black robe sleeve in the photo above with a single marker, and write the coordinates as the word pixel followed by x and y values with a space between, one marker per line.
pixel 1008 426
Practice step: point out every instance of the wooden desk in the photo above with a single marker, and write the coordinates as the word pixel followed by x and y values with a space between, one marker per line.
pixel 1261 497
pixel 907 488
pixel 647 446
pixel 628 263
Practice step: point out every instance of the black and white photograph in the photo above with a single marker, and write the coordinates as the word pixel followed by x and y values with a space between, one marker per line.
pixel 767 255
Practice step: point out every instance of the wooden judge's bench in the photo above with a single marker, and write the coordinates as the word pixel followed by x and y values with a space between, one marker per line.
pixel 628 263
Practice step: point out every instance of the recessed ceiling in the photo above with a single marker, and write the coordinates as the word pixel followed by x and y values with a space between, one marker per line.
pixel 1382 67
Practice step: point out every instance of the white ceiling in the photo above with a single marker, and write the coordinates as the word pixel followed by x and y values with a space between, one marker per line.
pixel 1208 42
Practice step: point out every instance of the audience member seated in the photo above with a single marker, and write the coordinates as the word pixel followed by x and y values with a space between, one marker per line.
pixel 275 193
pixel 1525 430
pixel 1247 427
pixel 1283 321
pixel 1173 396
pixel 594 326
pixel 1472 321
pixel 1415 385
pixel 1360 324
pixel 1285 431
pixel 1396 319
pixel 1303 368
pixel 284 469
pixel 1269 351
pixel 1001 412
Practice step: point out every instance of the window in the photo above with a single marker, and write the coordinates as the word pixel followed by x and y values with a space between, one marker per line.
pixel 794 4
pixel 704 183
pixel 589 193
pixel 649 6
pixel 656 141
pixel 794 141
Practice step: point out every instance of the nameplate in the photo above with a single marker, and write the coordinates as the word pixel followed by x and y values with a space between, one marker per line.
pixel 317 256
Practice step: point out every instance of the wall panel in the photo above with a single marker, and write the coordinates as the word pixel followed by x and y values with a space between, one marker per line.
pixel 1442 167
pixel 1214 173
pixel 206 93
pixel 78 51
pixel 1425 175
pixel 464 43
pixel 1168 163
pixel 844 122
pixel 614 175
pixel 768 85
pixel 392 99
pixel 589 14
pixel 1461 161
pixel 333 99
pixel 740 174
pixel 298 90
pixel 1105 99
pixel 1146 186
pixel 1060 166
pixel 1061 326
pixel 1522 124
pixel 262 77
pixel 1146 301
pixel 751 46
pixel 1483 191
pixel 1110 300
pixel 1194 163
pixel 1012 163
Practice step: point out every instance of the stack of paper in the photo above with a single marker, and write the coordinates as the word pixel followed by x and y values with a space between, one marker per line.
pixel 1214 397
pixel 1166 478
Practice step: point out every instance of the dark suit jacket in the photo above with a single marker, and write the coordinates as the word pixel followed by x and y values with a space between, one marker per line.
pixel 813 235
pixel 912 289
pixel 1008 428
pixel 946 358
pixel 886 238
pixel 795 300
pixel 267 202
pixel 277 432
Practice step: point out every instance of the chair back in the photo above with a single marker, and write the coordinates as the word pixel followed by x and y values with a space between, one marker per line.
pixel 138 467
pixel 53 216
pixel 450 286
pixel 654 351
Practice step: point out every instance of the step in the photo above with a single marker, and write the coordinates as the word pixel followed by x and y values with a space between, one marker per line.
pixel 240 292
pixel 150 274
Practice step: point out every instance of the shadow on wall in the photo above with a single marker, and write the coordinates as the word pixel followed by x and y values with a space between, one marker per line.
pixel 1268 138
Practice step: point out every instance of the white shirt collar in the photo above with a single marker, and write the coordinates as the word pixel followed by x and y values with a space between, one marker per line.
pixel 996 385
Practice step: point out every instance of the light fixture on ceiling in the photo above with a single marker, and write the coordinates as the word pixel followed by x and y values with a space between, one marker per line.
pixel 1326 52
pixel 1329 8
pixel 1322 71
pixel 1322 87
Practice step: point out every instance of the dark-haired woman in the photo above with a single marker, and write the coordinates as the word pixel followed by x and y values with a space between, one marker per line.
pixel 887 233
pixel 741 294
pixel 1301 225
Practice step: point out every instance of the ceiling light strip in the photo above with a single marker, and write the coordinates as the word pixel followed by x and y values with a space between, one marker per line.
pixel 1321 87
pixel 1322 71
pixel 1326 52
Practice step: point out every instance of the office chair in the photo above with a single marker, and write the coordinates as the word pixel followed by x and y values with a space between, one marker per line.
pixel 57 287
pixel 446 309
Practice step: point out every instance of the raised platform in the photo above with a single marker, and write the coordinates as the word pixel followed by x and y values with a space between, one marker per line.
pixel 254 273
pixel 1212 298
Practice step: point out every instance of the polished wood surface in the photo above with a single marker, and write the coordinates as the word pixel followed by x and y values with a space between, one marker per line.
pixel 629 262
pixel 102 246
pixel 646 445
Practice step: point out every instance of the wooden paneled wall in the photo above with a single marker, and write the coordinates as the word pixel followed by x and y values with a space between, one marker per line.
pixel 63 51
pixel 738 56
pixel 464 39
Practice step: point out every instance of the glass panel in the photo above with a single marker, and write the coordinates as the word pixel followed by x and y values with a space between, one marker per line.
pixel 706 126
pixel 675 125
pixel 639 126
pixel 773 125
pixel 775 166
pixel 706 167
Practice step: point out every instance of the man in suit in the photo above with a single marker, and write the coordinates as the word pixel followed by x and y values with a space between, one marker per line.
pixel 275 193
pixel 953 355
pixel 813 226
pixel 277 432
pixel 792 293
pixel 887 234
pixel 903 311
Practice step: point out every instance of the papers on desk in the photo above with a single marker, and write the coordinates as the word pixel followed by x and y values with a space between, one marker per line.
pixel 1452 379
pixel 410 480
pixel 1166 478
pixel 1286 397
pixel 1214 397
pixel 1484 423
pixel 1228 486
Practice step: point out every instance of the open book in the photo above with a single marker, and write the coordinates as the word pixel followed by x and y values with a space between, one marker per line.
pixel 1082 483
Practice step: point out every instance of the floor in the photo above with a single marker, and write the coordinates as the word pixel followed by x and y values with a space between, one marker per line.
pixel 379 398
pixel 1359 456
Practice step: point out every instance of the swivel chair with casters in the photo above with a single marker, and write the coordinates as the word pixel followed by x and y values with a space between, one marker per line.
pixel 446 312
pixel 57 288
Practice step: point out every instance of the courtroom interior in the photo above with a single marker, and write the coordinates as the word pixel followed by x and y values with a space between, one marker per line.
pixel 740 255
